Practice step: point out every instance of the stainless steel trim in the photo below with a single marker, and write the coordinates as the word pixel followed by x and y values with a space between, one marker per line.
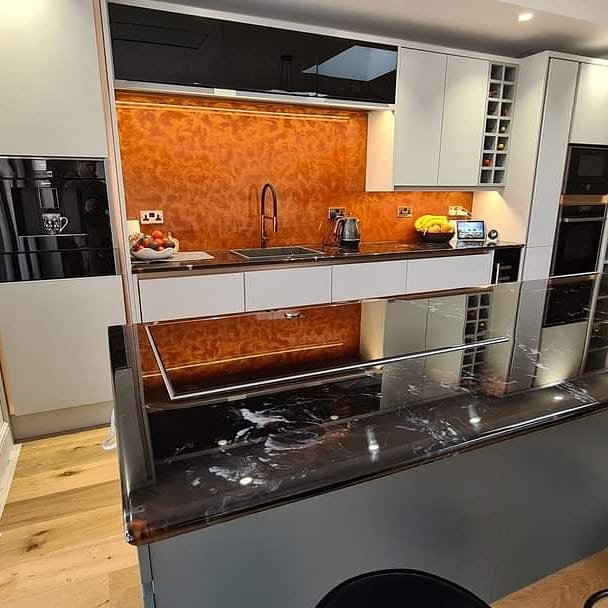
pixel 159 363
pixel 581 220
pixel 583 199
pixel 243 387
pixel 575 274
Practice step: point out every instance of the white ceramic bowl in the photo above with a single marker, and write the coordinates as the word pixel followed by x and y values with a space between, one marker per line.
pixel 150 254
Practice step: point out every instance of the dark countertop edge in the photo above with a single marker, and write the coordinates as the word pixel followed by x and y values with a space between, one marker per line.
pixel 239 265
pixel 492 437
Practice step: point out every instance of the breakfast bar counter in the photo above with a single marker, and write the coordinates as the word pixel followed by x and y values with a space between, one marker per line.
pixel 319 450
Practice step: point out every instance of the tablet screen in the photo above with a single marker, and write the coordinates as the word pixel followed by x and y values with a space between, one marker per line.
pixel 470 230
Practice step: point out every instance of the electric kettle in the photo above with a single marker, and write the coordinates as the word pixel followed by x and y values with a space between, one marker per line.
pixel 346 231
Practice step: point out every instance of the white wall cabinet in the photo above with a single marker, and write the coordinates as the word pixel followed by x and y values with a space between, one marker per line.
pixel 439 119
pixel 268 289
pixel 371 280
pixel 455 272
pixel 464 110
pixel 51 102
pixel 590 119
pixel 418 117
pixel 54 341
pixel 186 297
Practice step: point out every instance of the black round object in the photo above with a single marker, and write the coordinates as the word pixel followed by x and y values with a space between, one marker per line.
pixel 493 235
pixel 435 237
pixel 595 598
pixel 400 589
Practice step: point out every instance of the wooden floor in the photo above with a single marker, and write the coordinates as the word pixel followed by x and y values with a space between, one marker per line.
pixel 61 542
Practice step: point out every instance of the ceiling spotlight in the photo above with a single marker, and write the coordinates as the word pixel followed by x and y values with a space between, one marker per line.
pixel 523 17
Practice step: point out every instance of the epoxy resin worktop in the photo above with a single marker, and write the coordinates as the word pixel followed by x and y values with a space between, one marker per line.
pixel 222 417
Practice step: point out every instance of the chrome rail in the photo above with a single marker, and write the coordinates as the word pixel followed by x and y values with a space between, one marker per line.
pixel 243 387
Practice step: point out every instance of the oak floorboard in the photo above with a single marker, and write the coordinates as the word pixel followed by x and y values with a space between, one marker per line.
pixel 567 588
pixel 62 543
pixel 61 537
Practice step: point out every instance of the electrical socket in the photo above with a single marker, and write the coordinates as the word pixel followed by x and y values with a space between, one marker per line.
pixel 334 212
pixel 151 216
pixel 457 211
pixel 404 212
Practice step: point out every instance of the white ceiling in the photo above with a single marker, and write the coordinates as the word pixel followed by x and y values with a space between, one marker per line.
pixel 574 26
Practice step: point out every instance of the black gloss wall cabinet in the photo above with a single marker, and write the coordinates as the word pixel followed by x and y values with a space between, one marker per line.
pixel 172 48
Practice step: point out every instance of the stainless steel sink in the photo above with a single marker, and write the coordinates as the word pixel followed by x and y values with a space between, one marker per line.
pixel 278 253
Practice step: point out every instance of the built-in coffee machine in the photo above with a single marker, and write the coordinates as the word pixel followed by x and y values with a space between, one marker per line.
pixel 54 219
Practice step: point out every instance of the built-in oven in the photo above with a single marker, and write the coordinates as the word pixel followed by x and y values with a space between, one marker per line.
pixel 578 239
pixel 586 170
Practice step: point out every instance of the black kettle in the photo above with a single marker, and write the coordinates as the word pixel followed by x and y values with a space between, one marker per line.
pixel 347 232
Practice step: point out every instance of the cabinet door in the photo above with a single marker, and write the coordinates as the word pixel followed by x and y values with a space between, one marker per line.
pixel 418 117
pixel 166 47
pixel 54 339
pixel 449 273
pixel 186 297
pixel 49 74
pixel 466 92
pixel 372 280
pixel 590 120
pixel 268 289
pixel 559 99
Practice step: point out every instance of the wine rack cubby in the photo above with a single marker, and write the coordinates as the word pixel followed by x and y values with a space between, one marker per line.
pixel 499 114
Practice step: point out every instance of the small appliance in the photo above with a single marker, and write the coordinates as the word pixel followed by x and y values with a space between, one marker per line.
pixel 347 232
pixel 470 230
pixel 493 236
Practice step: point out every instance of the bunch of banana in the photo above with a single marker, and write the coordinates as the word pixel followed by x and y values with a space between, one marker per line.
pixel 433 223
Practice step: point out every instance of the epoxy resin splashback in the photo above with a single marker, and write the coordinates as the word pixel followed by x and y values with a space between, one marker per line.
pixel 204 161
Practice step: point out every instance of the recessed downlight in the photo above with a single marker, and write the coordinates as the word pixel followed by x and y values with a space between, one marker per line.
pixel 523 17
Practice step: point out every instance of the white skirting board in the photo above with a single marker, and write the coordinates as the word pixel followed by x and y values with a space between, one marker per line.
pixel 61 421
pixel 9 455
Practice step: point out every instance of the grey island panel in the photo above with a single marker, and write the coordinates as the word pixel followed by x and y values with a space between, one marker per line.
pixel 492 520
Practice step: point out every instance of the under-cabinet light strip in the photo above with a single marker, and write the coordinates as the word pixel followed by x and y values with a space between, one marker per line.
pixel 177 107
pixel 256 384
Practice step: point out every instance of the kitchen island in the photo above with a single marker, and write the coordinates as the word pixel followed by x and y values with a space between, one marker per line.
pixel 266 457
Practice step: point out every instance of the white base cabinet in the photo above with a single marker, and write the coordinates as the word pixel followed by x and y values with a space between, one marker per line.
pixel 54 342
pixel 455 272
pixel 267 289
pixel 372 280
pixel 187 297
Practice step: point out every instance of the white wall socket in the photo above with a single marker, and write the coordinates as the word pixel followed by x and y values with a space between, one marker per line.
pixel 457 211
pixel 151 216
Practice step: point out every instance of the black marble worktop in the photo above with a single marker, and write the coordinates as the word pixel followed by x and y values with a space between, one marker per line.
pixel 225 259
pixel 215 461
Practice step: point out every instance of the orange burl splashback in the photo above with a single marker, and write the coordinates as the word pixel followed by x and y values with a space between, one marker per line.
pixel 204 161
pixel 232 347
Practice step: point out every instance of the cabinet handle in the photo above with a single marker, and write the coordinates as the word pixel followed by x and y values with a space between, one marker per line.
pixel 292 315
pixel 580 220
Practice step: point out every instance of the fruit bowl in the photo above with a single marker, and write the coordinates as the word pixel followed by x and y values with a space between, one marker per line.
pixel 157 246
pixel 151 254
pixel 435 237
